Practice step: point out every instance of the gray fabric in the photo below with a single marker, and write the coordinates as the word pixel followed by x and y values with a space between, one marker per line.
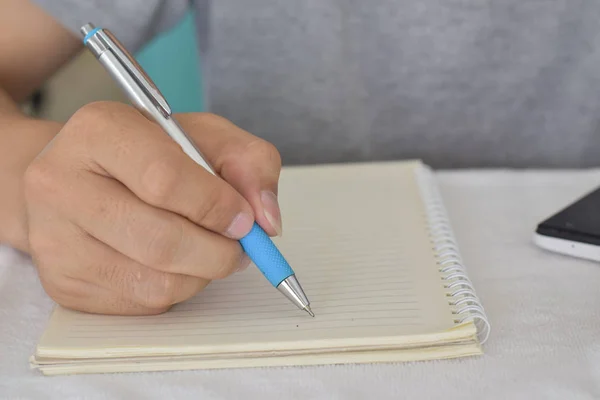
pixel 458 83
pixel 134 22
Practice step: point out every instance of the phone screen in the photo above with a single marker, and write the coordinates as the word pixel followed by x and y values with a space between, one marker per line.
pixel 580 221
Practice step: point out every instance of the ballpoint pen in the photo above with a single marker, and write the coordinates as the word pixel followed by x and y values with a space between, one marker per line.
pixel 145 96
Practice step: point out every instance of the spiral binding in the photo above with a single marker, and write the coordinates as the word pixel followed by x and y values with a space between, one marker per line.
pixel 463 299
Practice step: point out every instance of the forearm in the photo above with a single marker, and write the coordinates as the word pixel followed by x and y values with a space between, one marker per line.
pixel 21 140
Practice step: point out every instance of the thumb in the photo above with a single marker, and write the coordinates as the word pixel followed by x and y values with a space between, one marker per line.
pixel 248 163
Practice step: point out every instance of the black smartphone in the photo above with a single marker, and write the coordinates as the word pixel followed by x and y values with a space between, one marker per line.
pixel 574 230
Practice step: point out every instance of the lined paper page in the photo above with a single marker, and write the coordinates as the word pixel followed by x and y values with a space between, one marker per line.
pixel 355 236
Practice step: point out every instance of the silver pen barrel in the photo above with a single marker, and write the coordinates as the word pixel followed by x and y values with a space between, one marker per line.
pixel 144 102
pixel 146 98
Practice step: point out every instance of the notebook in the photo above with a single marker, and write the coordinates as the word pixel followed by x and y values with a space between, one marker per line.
pixel 373 247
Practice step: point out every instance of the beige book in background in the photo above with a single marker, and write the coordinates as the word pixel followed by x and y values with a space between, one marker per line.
pixel 374 250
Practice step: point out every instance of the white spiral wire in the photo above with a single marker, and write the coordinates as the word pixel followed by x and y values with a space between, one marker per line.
pixel 462 296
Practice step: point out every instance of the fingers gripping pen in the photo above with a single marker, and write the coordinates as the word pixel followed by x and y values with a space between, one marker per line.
pixel 146 97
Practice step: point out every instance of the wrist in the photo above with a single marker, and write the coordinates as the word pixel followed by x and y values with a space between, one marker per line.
pixel 21 140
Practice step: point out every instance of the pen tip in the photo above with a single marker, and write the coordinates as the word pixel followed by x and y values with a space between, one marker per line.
pixel 309 311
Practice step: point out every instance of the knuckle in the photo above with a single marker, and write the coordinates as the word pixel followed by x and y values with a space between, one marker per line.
pixel 87 111
pixel 85 124
pixel 160 179
pixel 164 241
pixel 86 117
pixel 210 119
pixel 95 110
pixel 266 151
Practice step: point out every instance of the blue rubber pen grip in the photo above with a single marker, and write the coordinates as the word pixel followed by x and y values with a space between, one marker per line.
pixel 263 252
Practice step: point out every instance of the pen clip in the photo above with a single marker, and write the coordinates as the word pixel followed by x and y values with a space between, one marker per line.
pixel 133 67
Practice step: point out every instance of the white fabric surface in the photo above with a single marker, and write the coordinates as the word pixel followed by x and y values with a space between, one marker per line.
pixel 544 310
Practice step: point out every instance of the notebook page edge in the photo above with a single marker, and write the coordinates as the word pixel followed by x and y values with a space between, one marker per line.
pixel 462 332
pixel 467 349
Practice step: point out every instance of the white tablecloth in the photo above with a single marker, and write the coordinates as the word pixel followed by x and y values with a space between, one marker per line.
pixel 544 310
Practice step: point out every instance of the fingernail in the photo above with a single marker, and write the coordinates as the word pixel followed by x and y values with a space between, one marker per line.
pixel 272 212
pixel 240 226
pixel 244 262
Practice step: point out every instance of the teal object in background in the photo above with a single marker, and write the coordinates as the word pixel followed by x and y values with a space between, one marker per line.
pixel 172 61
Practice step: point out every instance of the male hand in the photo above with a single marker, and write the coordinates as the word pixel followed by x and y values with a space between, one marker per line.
pixel 121 221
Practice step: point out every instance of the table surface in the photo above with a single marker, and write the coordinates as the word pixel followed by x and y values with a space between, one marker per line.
pixel 544 310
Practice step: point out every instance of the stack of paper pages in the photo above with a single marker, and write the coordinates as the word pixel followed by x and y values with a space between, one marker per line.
pixel 374 250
